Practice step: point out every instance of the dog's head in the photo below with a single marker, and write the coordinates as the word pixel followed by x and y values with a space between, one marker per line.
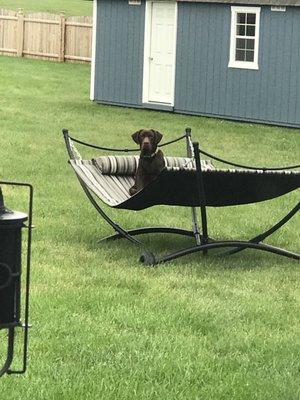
pixel 148 140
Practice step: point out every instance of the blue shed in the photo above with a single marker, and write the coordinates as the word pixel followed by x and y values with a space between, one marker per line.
pixel 235 59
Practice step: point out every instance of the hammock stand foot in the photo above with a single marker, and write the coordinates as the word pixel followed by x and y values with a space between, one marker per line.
pixel 148 259
pixel 241 245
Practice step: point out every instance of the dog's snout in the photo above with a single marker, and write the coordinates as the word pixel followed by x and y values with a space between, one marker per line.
pixel 146 144
pixel 146 141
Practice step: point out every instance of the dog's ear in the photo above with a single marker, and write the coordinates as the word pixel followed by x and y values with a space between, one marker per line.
pixel 136 136
pixel 158 136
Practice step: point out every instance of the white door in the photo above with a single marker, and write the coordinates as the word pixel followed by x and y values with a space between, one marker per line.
pixel 160 45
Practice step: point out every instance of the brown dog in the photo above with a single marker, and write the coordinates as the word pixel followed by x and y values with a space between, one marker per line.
pixel 151 162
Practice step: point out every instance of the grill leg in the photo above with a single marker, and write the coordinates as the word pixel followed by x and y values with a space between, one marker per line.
pixel 10 351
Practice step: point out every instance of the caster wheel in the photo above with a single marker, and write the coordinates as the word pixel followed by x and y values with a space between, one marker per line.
pixel 147 258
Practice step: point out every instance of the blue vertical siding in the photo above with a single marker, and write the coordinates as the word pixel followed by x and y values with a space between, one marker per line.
pixel 119 52
pixel 204 83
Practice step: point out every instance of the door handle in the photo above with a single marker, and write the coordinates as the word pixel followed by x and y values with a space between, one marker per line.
pixel 150 58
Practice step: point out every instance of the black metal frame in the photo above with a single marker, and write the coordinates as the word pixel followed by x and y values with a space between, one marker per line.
pixel 11 329
pixel 203 241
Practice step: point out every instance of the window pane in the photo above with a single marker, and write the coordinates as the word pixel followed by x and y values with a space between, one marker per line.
pixel 250 31
pixel 240 30
pixel 241 18
pixel 240 55
pixel 251 19
pixel 241 43
pixel 250 44
pixel 249 55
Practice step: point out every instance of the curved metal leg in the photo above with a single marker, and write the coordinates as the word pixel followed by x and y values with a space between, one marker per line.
pixel 122 232
pixel 144 231
pixel 228 243
pixel 10 351
pixel 259 238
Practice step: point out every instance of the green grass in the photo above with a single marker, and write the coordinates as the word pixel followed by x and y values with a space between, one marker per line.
pixel 70 7
pixel 104 327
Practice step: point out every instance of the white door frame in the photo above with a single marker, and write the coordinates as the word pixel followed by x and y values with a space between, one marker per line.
pixel 147 49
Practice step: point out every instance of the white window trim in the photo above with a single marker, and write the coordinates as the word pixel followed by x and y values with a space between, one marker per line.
pixel 94 39
pixel 244 64
pixel 147 48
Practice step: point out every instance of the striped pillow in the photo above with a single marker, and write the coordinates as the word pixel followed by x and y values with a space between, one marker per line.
pixel 187 163
pixel 117 165
pixel 127 165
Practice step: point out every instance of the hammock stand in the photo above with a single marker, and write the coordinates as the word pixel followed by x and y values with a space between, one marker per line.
pixel 194 183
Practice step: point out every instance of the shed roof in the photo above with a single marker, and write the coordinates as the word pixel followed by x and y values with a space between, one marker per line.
pixel 250 2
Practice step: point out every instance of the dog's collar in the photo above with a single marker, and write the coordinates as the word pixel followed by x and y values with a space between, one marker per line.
pixel 151 155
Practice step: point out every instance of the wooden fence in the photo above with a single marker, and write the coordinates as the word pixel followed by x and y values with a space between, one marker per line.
pixel 46 36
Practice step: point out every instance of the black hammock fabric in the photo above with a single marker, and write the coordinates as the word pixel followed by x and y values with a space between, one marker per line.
pixel 177 184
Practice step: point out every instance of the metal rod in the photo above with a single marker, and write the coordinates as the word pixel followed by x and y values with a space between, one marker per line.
pixel 274 228
pixel 125 150
pixel 115 226
pixel 201 195
pixel 1 201
pixel 67 141
pixel 190 153
pixel 228 243
pixel 26 328
pixel 249 166
pixel 148 230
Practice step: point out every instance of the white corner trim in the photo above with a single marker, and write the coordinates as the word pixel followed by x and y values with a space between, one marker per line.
pixel 244 64
pixel 94 41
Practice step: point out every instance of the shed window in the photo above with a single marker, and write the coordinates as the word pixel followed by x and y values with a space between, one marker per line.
pixel 244 37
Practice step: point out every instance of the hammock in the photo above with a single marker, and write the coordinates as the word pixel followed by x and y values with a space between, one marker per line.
pixel 176 185
pixel 185 181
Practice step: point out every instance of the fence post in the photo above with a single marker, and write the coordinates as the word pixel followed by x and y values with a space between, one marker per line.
pixel 20 33
pixel 62 39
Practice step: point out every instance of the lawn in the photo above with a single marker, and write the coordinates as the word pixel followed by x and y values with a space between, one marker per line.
pixel 105 327
pixel 70 7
